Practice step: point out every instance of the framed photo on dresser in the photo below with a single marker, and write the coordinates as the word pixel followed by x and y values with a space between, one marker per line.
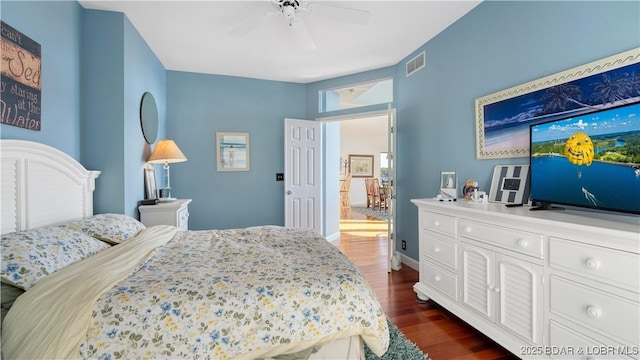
pixel 150 187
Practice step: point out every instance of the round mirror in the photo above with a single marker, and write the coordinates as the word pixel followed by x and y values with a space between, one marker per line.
pixel 149 117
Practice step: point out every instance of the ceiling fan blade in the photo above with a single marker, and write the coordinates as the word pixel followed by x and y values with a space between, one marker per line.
pixel 303 35
pixel 344 14
pixel 250 24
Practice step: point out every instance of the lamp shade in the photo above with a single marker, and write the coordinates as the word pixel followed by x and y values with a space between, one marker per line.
pixel 166 151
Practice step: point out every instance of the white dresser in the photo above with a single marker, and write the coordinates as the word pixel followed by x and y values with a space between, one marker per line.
pixel 543 284
pixel 174 213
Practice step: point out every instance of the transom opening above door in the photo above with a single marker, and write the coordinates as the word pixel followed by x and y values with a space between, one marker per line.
pixel 356 95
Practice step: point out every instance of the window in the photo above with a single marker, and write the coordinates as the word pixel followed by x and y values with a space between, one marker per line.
pixel 384 166
pixel 356 95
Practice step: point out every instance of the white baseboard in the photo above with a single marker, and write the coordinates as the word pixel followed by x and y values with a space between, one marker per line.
pixel 334 236
pixel 415 265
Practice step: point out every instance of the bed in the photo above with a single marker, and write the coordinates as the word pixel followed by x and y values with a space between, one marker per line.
pixel 79 285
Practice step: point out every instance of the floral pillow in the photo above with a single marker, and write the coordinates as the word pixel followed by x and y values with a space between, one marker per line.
pixel 30 255
pixel 112 228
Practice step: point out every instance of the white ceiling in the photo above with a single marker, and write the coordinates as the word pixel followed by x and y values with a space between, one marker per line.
pixel 193 36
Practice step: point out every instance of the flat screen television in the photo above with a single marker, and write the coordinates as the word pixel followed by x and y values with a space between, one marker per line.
pixel 591 160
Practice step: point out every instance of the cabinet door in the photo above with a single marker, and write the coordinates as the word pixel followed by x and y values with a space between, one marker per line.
pixel 519 292
pixel 478 279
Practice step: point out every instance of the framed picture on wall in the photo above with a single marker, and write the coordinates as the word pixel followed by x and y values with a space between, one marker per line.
pixel 232 151
pixel 361 165
pixel 503 118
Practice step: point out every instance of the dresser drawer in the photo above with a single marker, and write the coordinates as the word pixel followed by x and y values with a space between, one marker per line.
pixel 438 278
pixel 439 223
pixel 596 310
pixel 439 250
pixel 515 240
pixel 608 265
pixel 569 344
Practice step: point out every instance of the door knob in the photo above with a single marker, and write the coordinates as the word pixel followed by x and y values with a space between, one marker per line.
pixel 289 192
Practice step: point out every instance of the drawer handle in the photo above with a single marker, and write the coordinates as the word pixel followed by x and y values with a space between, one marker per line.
pixel 522 243
pixel 593 312
pixel 436 249
pixel 436 278
pixel 467 229
pixel 491 287
pixel 436 222
pixel 497 290
pixel 592 263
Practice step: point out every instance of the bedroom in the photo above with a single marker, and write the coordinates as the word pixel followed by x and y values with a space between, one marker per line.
pixel 92 79
pixel 89 90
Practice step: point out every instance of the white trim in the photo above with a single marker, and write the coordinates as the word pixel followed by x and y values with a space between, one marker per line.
pixel 410 262
pixel 333 237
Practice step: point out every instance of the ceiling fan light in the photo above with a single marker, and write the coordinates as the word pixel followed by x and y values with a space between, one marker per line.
pixel 289 12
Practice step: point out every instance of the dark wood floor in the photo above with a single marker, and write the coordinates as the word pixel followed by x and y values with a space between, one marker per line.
pixel 436 331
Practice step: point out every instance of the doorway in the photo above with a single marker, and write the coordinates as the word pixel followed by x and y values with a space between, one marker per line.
pixel 366 134
pixel 363 136
pixel 364 240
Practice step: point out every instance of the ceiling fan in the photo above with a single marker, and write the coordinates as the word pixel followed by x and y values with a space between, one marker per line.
pixel 291 10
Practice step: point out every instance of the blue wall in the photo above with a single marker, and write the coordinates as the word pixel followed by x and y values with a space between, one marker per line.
pixel 96 67
pixel 497 45
pixel 56 26
pixel 201 105
pixel 118 67
pixel 103 106
pixel 143 73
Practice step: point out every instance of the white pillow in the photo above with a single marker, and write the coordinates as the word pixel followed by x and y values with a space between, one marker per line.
pixel 30 255
pixel 112 228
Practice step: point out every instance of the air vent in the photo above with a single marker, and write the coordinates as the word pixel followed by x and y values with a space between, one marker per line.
pixel 415 64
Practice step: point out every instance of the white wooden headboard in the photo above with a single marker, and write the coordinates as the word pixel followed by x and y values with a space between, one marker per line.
pixel 42 186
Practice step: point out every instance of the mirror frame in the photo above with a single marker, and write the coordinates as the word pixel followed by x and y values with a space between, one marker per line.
pixel 149 117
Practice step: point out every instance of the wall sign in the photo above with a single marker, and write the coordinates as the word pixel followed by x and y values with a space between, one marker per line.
pixel 20 103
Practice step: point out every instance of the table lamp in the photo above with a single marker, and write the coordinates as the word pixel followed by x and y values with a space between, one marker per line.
pixel 165 152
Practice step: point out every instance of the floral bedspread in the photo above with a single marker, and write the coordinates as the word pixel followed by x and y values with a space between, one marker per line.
pixel 243 293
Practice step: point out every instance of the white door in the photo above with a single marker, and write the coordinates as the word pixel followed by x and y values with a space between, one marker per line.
pixel 391 197
pixel 303 174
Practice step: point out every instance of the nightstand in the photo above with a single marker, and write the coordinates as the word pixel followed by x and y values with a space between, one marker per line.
pixel 174 213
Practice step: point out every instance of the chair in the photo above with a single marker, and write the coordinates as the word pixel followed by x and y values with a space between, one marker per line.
pixel 373 192
pixel 379 198
pixel 384 192
pixel 345 187
pixel 369 189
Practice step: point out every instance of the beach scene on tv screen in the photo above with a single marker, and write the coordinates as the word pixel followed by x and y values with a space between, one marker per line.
pixel 590 160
